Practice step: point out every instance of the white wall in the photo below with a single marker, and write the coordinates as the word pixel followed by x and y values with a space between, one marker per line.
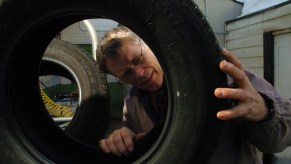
pixel 217 13
pixel 245 36
pixel 282 66
pixel 78 33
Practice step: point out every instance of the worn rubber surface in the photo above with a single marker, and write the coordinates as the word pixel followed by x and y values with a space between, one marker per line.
pixel 177 33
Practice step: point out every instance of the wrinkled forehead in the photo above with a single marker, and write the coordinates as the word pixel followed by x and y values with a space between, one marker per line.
pixel 127 51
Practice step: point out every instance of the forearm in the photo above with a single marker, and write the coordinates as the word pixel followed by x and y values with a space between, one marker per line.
pixel 270 136
pixel 274 133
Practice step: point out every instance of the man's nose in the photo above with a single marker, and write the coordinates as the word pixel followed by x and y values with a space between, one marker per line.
pixel 139 72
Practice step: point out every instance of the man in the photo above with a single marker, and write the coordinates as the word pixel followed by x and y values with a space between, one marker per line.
pixel 124 55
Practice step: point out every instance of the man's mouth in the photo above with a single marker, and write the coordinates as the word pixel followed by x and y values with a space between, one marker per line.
pixel 147 79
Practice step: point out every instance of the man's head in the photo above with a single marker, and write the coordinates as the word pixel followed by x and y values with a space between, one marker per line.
pixel 123 54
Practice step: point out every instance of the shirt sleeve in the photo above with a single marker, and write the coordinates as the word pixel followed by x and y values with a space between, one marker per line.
pixel 274 134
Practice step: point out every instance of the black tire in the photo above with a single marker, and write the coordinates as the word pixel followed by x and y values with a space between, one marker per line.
pixel 178 34
pixel 70 61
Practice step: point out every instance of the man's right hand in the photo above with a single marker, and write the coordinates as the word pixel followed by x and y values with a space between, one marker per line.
pixel 120 142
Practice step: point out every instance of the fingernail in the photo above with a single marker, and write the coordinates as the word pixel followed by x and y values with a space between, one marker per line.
pixel 225 63
pixel 221 116
pixel 218 92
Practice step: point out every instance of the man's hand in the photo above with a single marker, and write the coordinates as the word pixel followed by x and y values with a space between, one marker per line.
pixel 120 142
pixel 251 105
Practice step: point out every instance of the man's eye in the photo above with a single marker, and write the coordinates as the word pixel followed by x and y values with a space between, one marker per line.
pixel 136 61
pixel 127 73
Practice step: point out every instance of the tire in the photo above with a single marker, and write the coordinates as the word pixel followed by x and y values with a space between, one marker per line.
pixel 70 61
pixel 177 33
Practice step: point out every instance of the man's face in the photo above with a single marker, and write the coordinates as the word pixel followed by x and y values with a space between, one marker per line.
pixel 136 64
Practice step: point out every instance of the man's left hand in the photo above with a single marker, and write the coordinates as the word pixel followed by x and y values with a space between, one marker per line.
pixel 251 105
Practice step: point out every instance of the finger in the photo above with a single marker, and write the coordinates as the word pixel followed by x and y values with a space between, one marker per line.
pixel 111 145
pixel 230 93
pixel 119 144
pixel 127 139
pixel 230 57
pixel 236 112
pixel 237 74
pixel 103 146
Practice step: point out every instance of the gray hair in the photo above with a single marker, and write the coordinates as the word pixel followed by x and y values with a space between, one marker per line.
pixel 111 42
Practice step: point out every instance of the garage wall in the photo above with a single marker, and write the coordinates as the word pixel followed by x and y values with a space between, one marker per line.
pixel 244 36
pixel 217 12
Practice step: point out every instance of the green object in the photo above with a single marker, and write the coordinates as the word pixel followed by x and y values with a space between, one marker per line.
pixel 116 98
pixel 87 48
